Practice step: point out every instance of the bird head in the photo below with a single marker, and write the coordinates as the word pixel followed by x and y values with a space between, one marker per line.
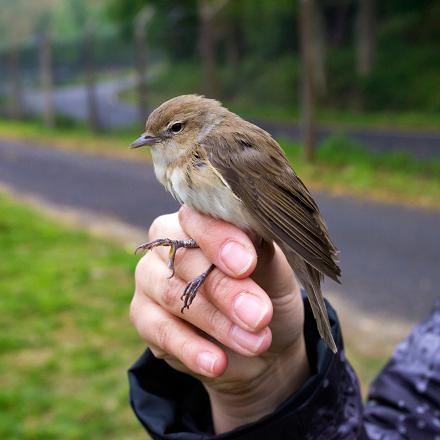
pixel 180 123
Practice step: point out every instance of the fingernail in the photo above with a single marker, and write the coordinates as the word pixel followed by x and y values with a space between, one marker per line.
pixel 236 257
pixel 246 340
pixel 250 309
pixel 206 361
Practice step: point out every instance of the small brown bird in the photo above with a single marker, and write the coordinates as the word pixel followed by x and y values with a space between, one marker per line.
pixel 219 164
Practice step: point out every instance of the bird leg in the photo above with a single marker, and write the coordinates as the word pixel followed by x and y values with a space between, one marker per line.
pixel 174 246
pixel 192 287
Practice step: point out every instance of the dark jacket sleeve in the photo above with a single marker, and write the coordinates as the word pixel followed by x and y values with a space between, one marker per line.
pixel 404 400
pixel 173 405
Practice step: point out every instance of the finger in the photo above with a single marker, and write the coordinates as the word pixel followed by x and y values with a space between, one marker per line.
pixel 229 248
pixel 168 226
pixel 275 275
pixel 245 303
pixel 202 314
pixel 172 336
pixel 165 225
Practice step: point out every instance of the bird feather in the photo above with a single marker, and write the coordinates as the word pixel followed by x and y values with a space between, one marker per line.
pixel 283 208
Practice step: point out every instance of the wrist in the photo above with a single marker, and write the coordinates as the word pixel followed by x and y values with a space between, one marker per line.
pixel 252 400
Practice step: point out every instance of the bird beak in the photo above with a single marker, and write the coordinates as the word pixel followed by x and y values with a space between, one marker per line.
pixel 144 139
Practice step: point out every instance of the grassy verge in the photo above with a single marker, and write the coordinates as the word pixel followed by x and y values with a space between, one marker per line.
pixel 66 340
pixel 366 367
pixel 69 136
pixel 342 166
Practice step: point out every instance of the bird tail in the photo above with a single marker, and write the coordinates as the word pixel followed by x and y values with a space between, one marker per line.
pixel 311 279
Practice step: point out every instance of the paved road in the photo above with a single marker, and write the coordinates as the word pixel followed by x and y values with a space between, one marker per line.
pixel 390 254
pixel 114 113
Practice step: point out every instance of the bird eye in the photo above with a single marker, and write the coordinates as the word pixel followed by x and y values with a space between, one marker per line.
pixel 177 127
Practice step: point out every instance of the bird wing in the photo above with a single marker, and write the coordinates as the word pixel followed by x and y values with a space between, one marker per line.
pixel 273 194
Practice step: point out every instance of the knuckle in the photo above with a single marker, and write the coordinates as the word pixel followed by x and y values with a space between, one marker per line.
pixel 182 214
pixel 187 351
pixel 133 310
pixel 219 283
pixel 159 353
pixel 146 274
pixel 215 321
pixel 170 293
pixel 208 229
pixel 183 257
pixel 156 227
pixel 163 335
pixel 141 266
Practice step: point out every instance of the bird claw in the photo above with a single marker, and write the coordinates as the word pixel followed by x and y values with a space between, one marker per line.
pixel 192 288
pixel 174 246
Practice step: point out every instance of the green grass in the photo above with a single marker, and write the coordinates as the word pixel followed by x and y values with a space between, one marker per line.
pixel 66 340
pixel 366 367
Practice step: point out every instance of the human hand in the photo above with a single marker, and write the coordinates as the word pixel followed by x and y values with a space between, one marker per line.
pixel 242 336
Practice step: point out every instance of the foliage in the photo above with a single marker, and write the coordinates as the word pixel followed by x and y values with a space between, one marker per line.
pixel 263 91
pixel 256 49
pixel 408 82
pixel 173 29
pixel 265 67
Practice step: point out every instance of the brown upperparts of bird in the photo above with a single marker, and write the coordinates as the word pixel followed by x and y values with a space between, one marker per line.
pixel 219 164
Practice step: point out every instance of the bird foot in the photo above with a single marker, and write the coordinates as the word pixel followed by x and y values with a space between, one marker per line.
pixel 174 246
pixel 192 288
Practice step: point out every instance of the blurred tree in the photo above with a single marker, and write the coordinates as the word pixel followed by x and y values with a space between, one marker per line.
pixel 173 30
pixel 16 104
pixel 366 31
pixel 13 36
pixel 46 74
pixel 339 17
pixel 89 76
pixel 267 30
pixel 308 98
pixel 86 23
pixel 18 22
pixel 319 48
pixel 255 47
pixel 141 52
pixel 231 35
pixel 208 9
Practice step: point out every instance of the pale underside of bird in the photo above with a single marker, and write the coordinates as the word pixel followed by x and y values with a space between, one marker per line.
pixel 212 160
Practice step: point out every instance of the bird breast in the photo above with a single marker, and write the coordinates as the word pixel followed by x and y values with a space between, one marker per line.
pixel 202 187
